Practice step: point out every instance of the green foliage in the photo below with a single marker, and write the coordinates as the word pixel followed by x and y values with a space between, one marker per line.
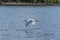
pixel 41 1
pixel 59 1
pixel 34 1
pixel 52 1
pixel 17 1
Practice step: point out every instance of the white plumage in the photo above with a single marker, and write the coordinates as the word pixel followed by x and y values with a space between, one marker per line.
pixel 33 21
pixel 30 21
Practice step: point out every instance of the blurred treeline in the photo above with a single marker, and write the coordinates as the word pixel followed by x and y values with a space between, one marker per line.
pixel 32 1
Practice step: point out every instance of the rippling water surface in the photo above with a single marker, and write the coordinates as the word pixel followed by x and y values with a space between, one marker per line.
pixel 12 24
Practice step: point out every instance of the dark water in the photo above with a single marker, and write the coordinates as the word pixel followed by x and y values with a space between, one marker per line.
pixel 12 24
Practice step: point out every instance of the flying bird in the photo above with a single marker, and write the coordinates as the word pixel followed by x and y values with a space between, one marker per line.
pixel 30 21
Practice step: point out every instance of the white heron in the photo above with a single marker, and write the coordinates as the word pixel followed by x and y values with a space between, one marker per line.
pixel 30 21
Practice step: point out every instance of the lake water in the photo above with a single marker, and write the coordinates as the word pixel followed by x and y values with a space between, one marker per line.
pixel 12 24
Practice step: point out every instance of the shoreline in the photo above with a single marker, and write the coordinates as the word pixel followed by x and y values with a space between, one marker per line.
pixel 30 4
